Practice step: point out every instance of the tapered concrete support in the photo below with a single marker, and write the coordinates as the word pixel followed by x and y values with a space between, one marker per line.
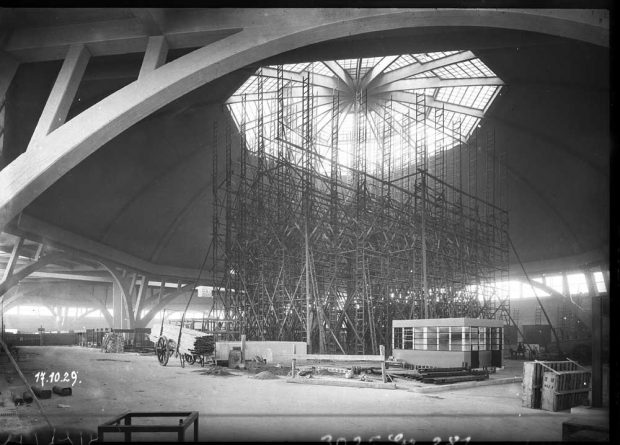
pixel 123 296
pixel 125 292
pixel 162 302
pixel 22 273
pixel 104 311
pixel 144 284
pixel 62 95
pixel 10 267
pixel 117 306
pixel 155 55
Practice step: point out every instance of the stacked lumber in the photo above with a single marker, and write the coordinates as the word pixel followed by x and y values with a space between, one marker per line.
pixel 454 376
pixel 533 379
pixel 113 342
pixel 456 379
pixel 565 389
pixel 441 376
pixel 192 341
pixel 204 345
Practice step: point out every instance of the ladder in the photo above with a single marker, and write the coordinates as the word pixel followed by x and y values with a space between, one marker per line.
pixel 332 317
pixel 359 302
pixel 538 316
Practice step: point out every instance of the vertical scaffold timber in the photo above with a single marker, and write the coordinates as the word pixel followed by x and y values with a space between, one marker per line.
pixel 327 239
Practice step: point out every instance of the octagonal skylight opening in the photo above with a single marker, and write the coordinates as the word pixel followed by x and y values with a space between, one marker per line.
pixel 409 103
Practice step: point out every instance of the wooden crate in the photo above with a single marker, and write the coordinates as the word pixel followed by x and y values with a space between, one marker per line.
pixel 565 389
pixel 533 379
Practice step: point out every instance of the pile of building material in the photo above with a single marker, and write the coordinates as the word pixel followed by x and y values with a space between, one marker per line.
pixel 214 370
pixel 113 342
pixel 204 345
pixel 264 375
pixel 192 341
pixel 442 376
pixel 277 369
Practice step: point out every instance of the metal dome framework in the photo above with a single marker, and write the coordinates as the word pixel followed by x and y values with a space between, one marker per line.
pixel 456 87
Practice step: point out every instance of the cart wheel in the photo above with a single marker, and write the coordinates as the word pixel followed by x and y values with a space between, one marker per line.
pixel 189 358
pixel 162 351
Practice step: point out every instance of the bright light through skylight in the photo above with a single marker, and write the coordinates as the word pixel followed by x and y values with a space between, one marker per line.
pixel 434 100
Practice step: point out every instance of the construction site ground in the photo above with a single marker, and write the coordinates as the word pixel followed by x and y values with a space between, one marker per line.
pixel 233 406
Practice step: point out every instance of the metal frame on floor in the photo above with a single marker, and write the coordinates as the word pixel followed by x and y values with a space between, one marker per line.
pixel 114 425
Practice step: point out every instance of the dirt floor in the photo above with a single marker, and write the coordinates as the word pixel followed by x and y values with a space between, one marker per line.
pixel 235 407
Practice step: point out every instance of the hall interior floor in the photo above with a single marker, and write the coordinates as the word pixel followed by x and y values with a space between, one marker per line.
pixel 239 408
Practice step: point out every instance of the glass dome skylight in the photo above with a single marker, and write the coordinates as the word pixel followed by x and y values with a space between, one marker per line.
pixel 434 100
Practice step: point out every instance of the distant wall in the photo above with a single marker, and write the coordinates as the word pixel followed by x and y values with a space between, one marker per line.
pixel 28 323
pixel 272 351
pixel 50 339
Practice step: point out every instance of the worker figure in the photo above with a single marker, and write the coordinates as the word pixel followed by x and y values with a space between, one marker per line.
pixel 520 350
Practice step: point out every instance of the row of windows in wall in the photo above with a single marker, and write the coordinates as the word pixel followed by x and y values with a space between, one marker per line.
pixel 448 338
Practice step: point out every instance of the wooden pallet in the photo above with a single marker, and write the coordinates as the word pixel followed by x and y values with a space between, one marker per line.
pixel 533 379
pixel 565 389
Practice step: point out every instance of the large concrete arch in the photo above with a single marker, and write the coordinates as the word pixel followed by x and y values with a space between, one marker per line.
pixel 61 150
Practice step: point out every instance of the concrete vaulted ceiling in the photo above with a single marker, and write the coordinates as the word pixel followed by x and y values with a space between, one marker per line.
pixel 144 198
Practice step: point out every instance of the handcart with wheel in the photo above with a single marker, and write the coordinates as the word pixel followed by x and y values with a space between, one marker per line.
pixel 188 345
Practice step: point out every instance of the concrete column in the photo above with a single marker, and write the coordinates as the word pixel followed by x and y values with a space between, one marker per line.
pixel 565 286
pixel 592 289
pixel 117 305
pixel 606 278
pixel 597 352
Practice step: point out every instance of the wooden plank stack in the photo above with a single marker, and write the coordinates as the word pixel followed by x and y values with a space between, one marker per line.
pixel 442 376
pixel 446 377
pixel 533 380
pixel 192 341
pixel 565 389
pixel 204 345
pixel 113 343
pixel 455 379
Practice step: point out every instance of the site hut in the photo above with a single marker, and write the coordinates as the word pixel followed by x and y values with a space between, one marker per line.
pixel 291 187
pixel 449 342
